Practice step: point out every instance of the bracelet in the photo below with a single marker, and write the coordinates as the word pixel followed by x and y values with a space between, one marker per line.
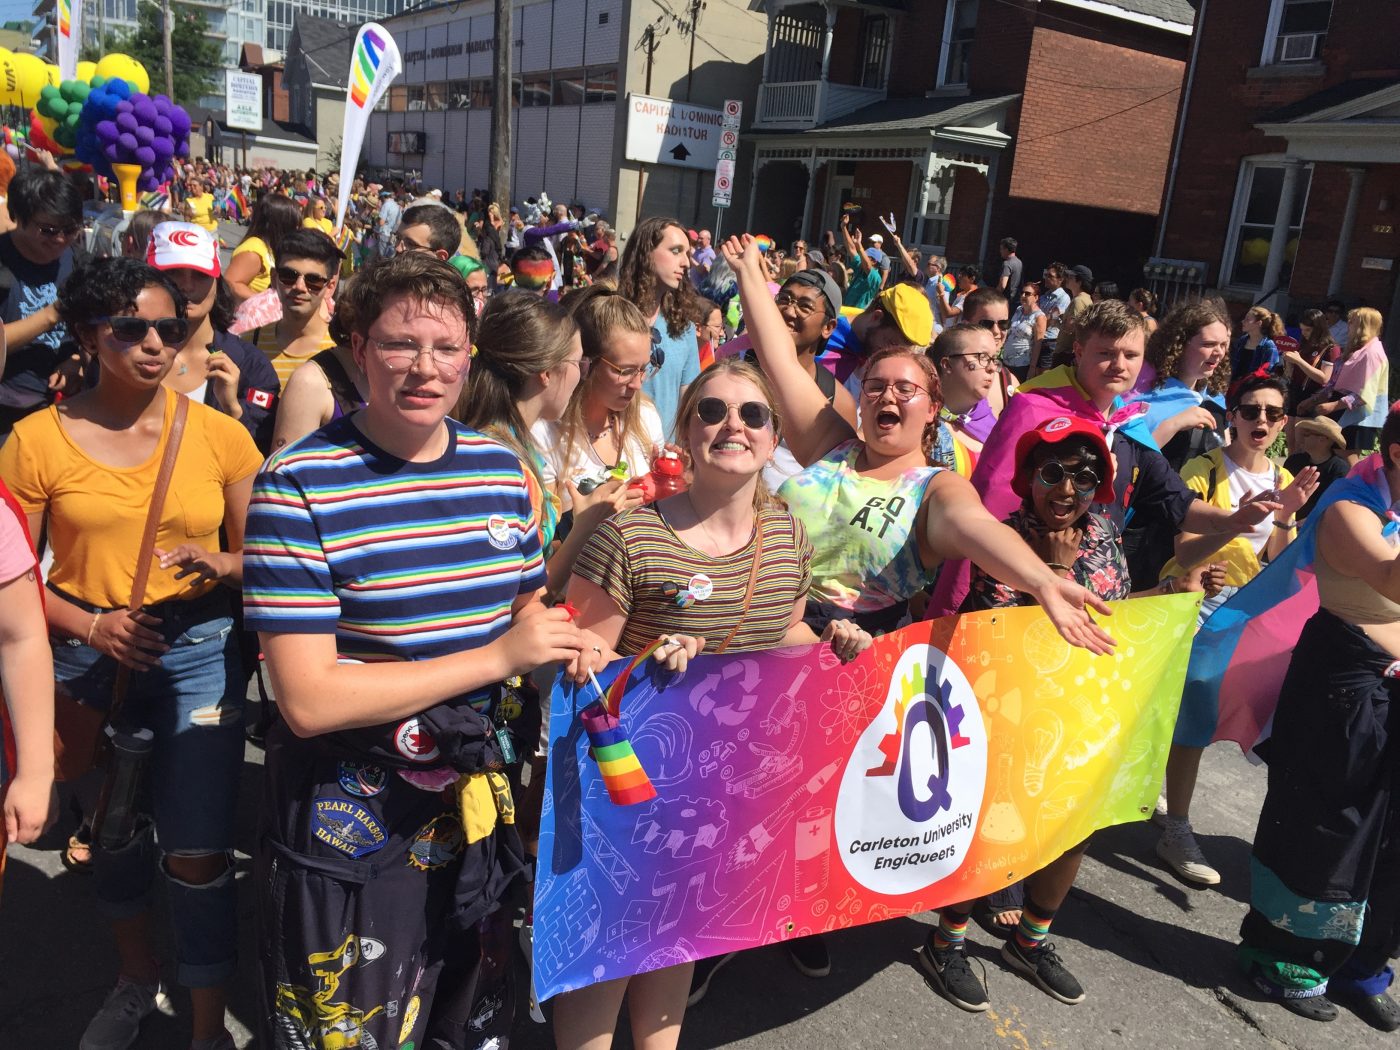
pixel 1168 586
pixel 1058 567
pixel 92 627
pixel 1285 524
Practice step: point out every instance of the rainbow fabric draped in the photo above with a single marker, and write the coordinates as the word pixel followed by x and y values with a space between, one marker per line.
pixel 626 781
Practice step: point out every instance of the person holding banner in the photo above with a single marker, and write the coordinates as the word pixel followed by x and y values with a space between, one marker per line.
pixel 686 569
pixel 394 575
pixel 1324 917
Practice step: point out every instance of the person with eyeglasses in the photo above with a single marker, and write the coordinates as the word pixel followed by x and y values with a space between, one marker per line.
pixel 708 543
pixel 430 228
pixel 87 468
pixel 1026 332
pixel 308 267
pixel 965 360
pixel 988 309
pixel 36 259
pixel 395 576
pixel 609 428
pixel 1054 304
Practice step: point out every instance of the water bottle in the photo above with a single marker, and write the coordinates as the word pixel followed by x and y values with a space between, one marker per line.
pixel 669 474
pixel 118 807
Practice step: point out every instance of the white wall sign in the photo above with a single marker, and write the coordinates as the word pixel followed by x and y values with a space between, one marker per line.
pixel 243 100
pixel 662 131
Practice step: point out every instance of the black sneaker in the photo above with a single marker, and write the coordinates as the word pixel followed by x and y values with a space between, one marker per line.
pixel 950 975
pixel 705 970
pixel 810 956
pixel 1042 966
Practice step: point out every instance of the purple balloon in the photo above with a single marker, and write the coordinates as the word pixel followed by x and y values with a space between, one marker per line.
pixel 127 122
pixel 145 156
pixel 144 135
pixel 165 149
pixel 126 143
pixel 106 131
pixel 162 124
pixel 180 122
pixel 112 152
pixel 143 109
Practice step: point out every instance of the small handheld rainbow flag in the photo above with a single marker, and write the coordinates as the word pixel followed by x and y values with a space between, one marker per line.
pixel 627 782
pixel 238 204
pixel 764 242
pixel 949 282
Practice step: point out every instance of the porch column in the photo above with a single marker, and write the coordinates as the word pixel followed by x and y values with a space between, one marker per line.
pixel 1273 268
pixel 1339 261
pixel 987 212
pixel 768 48
pixel 826 41
pixel 811 165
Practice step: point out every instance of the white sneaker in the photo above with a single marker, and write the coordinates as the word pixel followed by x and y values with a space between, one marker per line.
pixel 1178 848
pixel 1159 813
pixel 117 1024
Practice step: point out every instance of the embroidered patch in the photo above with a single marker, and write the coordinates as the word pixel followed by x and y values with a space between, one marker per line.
pixel 437 842
pixel 410 1018
pixel 414 742
pixel 362 779
pixel 430 779
pixel 498 532
pixel 347 827
pixel 370 949
pixel 260 398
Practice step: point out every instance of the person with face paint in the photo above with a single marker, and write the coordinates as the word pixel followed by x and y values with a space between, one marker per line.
pixel 967 362
pixel 88 467
pixel 395 578
pixel 989 310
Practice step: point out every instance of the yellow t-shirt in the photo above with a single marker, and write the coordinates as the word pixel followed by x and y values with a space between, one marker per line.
pixel 263 281
pixel 202 212
pixel 97 512
pixel 324 225
pixel 1241 563
pixel 282 362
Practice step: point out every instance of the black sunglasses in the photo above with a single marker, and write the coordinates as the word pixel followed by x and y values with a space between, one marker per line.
pixel 989 324
pixel 1052 472
pixel 1252 412
pixel 314 281
pixel 172 330
pixel 753 414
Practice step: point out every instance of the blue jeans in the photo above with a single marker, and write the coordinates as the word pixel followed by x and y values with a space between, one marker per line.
pixel 191 703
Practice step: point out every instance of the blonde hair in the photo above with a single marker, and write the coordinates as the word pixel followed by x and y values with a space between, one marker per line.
pixel 601 313
pixel 1368 323
pixel 763 498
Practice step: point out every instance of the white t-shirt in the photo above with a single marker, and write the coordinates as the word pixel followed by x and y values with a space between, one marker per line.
pixel 583 461
pixel 1244 484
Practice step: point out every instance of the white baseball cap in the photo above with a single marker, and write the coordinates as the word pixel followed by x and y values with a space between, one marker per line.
pixel 875 238
pixel 183 246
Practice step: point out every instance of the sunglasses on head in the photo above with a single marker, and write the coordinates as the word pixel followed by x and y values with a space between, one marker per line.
pixel 753 414
pixel 171 330
pixel 1252 412
pixel 989 324
pixel 314 281
pixel 1052 472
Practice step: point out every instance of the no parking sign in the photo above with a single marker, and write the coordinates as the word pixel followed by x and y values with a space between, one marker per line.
pixel 732 112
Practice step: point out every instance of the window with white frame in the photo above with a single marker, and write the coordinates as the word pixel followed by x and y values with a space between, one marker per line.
pixel 1297 30
pixel 1257 202
pixel 956 52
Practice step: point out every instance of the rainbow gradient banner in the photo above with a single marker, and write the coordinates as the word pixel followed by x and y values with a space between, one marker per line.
pixel 68 20
pixel 374 63
pixel 795 795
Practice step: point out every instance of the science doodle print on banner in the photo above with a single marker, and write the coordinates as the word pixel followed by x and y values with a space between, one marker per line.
pixel 795 795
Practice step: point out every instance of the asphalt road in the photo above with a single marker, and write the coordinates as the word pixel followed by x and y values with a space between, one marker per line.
pixel 1155 956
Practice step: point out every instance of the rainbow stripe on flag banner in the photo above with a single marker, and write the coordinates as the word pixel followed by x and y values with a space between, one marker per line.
pixel 69 22
pixel 374 63
pixel 797 795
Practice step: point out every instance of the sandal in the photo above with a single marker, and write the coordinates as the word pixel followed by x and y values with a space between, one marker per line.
pixel 77 856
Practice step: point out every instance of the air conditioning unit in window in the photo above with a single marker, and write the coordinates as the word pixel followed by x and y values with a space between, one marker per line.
pixel 1299 47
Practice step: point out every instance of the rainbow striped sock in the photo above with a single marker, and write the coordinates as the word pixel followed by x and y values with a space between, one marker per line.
pixel 952 929
pixel 1034 925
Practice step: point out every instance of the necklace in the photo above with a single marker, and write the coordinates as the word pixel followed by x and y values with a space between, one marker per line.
pixel 719 551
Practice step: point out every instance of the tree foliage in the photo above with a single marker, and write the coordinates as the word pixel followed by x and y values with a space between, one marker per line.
pixel 198 56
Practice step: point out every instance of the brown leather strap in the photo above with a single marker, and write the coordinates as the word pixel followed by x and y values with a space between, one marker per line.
pixel 748 590
pixel 146 555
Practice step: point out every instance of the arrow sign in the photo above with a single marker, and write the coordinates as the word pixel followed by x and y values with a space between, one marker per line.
pixel 679 152
pixel 664 131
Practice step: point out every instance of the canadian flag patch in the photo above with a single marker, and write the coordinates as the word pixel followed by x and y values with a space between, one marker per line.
pixel 261 398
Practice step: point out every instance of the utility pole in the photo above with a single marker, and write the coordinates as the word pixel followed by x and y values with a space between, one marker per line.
pixel 101 28
pixel 169 59
pixel 648 42
pixel 501 99
pixel 696 6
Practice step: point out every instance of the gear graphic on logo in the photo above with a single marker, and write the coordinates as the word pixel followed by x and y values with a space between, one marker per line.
pixel 681 825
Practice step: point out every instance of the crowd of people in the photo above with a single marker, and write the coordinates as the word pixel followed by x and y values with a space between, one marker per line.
pixel 412 472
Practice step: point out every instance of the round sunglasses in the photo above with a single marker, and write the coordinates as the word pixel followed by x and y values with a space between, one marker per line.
pixel 1052 472
pixel 132 330
pixel 753 414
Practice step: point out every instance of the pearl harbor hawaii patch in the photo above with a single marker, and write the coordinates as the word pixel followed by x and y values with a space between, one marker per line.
pixel 347 827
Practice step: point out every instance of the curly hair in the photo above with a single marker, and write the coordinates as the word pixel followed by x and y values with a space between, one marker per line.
pixel 108 287
pixel 1182 324
pixel 637 282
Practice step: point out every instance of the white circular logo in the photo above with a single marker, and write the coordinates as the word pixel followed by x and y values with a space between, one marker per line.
pixel 414 742
pixel 910 798
pixel 498 532
pixel 700 587
pixel 1057 424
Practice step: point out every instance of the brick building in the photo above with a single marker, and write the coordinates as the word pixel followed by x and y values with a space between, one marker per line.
pixel 1047 120
pixel 1285 178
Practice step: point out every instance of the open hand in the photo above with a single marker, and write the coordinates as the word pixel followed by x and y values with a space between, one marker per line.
pixel 1300 491
pixel 1068 604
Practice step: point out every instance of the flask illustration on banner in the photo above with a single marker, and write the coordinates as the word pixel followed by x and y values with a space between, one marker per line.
pixel 1003 823
pixel 812 855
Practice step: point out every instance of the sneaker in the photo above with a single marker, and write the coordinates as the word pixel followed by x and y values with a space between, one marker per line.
pixel 1159 812
pixel 1178 848
pixel 1041 966
pixel 810 956
pixel 705 970
pixel 116 1025
pixel 950 975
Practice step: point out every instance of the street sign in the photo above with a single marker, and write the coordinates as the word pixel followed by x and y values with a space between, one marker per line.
pixel 728 152
pixel 663 131
pixel 243 100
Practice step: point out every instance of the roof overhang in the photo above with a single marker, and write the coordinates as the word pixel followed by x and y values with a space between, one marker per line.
pixel 1363 130
pixel 979 129
pixel 1110 10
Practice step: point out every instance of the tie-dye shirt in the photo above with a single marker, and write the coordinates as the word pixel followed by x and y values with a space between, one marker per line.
pixel 1363 380
pixel 862 530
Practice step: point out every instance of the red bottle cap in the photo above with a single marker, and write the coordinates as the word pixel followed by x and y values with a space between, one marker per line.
pixel 573 613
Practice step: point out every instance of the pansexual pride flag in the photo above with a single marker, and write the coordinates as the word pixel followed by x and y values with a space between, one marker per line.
pixel 374 63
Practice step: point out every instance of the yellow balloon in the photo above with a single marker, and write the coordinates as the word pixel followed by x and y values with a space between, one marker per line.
pixel 128 69
pixel 30 78
pixel 55 77
pixel 7 77
pixel 86 71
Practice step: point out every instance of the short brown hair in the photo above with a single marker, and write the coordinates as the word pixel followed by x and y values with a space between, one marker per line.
pixel 416 275
pixel 1111 317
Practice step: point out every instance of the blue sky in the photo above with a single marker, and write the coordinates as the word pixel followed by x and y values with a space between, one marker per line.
pixel 13 9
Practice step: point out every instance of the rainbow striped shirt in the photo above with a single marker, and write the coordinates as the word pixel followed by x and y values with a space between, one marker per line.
pixel 401 561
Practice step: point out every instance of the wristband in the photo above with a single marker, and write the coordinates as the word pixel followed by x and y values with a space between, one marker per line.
pixel 1285 524
pixel 1059 567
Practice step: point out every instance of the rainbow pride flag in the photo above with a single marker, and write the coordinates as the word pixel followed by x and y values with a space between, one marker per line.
pixel 236 204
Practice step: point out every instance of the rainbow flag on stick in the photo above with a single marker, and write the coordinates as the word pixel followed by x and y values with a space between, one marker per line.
pixel 374 62
pixel 236 204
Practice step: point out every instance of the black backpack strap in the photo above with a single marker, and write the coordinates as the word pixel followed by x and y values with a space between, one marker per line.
pixel 826 383
pixel 347 398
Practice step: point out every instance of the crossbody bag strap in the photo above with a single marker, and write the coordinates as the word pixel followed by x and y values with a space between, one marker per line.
pixel 146 555
pixel 748 589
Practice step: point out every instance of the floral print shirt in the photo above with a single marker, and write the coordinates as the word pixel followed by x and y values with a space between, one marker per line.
pixel 1101 566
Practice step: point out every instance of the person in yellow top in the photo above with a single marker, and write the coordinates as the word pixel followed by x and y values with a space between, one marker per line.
pixel 250 270
pixel 313 217
pixel 308 265
pixel 199 206
pixel 89 464
pixel 1226 478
